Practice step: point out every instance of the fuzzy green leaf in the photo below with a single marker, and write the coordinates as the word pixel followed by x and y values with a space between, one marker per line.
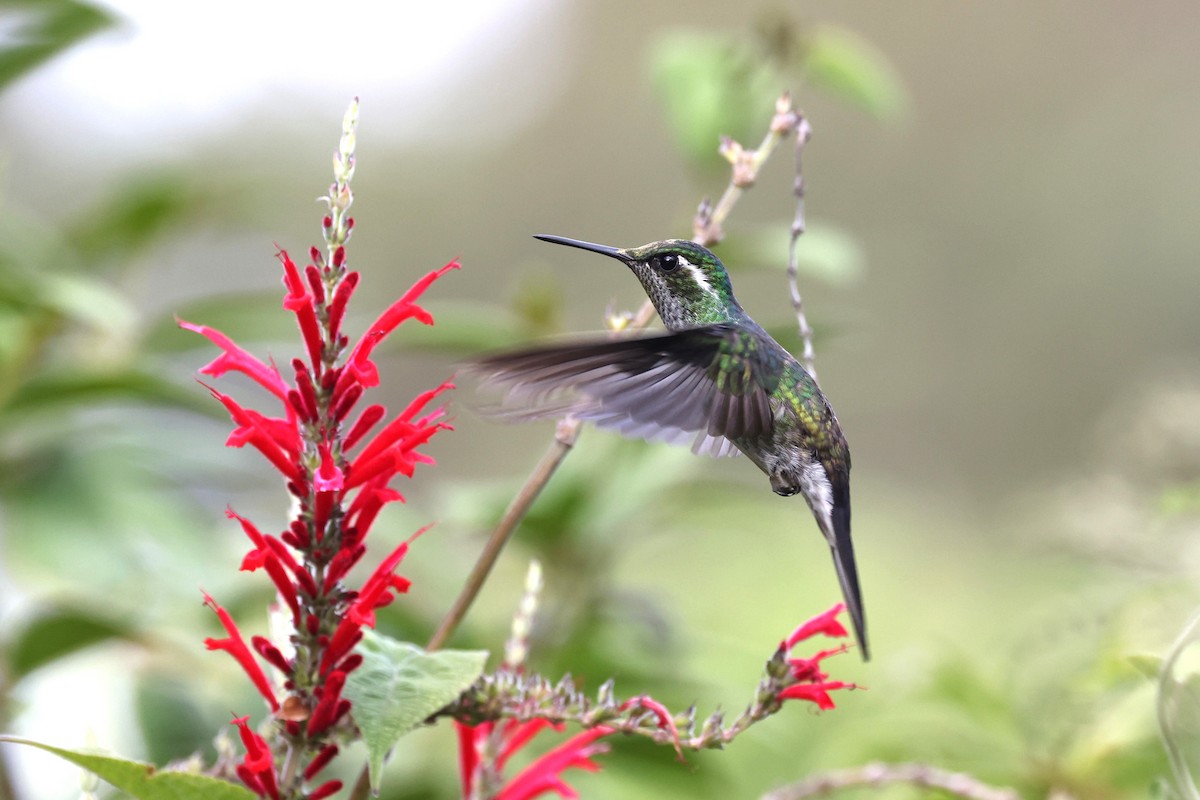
pixel 145 781
pixel 399 685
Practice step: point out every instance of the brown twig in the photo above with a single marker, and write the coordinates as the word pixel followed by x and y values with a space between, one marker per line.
pixel 878 774
pixel 564 440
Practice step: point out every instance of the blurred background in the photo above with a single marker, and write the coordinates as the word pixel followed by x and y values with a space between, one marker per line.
pixel 1001 267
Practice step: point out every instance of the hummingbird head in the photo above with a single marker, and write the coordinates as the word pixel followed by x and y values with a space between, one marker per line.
pixel 686 282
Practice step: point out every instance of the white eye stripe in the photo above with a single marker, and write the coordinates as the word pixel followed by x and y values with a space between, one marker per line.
pixel 697 275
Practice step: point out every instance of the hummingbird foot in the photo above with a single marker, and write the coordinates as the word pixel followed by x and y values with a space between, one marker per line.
pixel 784 487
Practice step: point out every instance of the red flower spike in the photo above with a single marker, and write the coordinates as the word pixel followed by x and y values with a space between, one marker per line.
pixel 826 623
pixel 235 645
pixel 320 761
pixel 237 360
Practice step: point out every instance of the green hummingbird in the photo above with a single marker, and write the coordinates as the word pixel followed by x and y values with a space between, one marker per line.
pixel 715 378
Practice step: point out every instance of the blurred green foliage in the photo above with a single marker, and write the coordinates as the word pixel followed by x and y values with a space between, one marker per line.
pixel 713 85
pixel 38 30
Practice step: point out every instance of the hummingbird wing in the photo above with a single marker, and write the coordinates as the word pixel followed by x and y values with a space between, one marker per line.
pixel 702 384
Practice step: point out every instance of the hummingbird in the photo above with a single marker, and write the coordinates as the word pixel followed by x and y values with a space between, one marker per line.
pixel 716 378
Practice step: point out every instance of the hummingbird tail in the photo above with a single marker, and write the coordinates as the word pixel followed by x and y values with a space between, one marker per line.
pixel 843 559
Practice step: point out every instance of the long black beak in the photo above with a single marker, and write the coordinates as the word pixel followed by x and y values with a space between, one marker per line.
pixel 613 252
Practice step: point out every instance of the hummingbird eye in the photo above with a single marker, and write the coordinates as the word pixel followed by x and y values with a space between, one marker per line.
pixel 667 262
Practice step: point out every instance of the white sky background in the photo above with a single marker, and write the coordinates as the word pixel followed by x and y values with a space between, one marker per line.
pixel 174 75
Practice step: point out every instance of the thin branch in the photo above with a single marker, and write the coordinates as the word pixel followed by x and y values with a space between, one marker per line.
pixel 878 775
pixel 564 440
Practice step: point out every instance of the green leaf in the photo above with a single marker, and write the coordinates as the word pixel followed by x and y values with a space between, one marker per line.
pixel 824 252
pixel 59 633
pixel 846 64
pixel 46 28
pixel 141 210
pixel 145 781
pixel 85 300
pixel 399 686
pixel 711 86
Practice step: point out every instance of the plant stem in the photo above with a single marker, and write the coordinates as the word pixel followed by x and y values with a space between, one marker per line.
pixel 564 440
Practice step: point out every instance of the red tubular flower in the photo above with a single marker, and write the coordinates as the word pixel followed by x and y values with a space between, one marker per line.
pixel 257 769
pixel 811 683
pixel 359 364
pixel 815 693
pixel 544 774
pixel 326 712
pixel 300 301
pixel 279 444
pixel 238 360
pixel 826 623
pixel 235 645
pixel 377 591
pixel 322 759
pixel 327 789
